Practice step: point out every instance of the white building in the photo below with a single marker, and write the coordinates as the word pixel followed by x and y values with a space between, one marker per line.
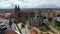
pixel 5 22
pixel 56 18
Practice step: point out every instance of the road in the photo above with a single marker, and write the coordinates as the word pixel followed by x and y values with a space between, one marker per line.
pixel 23 30
pixel 53 29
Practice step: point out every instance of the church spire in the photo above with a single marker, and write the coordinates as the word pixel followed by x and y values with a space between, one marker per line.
pixel 18 8
pixel 15 7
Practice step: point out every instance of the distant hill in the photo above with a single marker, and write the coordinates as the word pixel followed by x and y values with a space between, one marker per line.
pixel 48 6
pixel 31 9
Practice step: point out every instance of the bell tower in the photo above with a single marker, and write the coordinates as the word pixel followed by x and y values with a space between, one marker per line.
pixel 16 11
pixel 17 8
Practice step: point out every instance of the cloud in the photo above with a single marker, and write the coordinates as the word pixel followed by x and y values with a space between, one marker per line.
pixel 4 5
pixel 48 6
pixel 28 3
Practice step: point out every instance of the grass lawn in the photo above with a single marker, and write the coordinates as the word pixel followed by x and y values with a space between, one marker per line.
pixel 56 25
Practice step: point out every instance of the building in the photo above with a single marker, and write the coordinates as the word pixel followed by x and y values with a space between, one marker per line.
pixel 35 16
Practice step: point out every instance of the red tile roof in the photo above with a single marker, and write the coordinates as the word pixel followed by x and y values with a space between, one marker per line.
pixel 33 31
pixel 10 32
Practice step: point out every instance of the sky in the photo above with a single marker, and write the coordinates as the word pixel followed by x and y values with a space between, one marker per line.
pixel 7 4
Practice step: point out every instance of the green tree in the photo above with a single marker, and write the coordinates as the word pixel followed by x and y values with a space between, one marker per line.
pixel 23 24
pixel 49 19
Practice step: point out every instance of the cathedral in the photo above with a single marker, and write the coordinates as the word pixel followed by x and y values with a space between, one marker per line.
pixel 18 15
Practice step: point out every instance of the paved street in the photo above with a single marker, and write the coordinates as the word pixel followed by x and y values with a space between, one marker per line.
pixel 53 29
pixel 23 30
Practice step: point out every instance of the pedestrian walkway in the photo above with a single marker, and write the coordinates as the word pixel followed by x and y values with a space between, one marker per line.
pixel 23 30
pixel 53 29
